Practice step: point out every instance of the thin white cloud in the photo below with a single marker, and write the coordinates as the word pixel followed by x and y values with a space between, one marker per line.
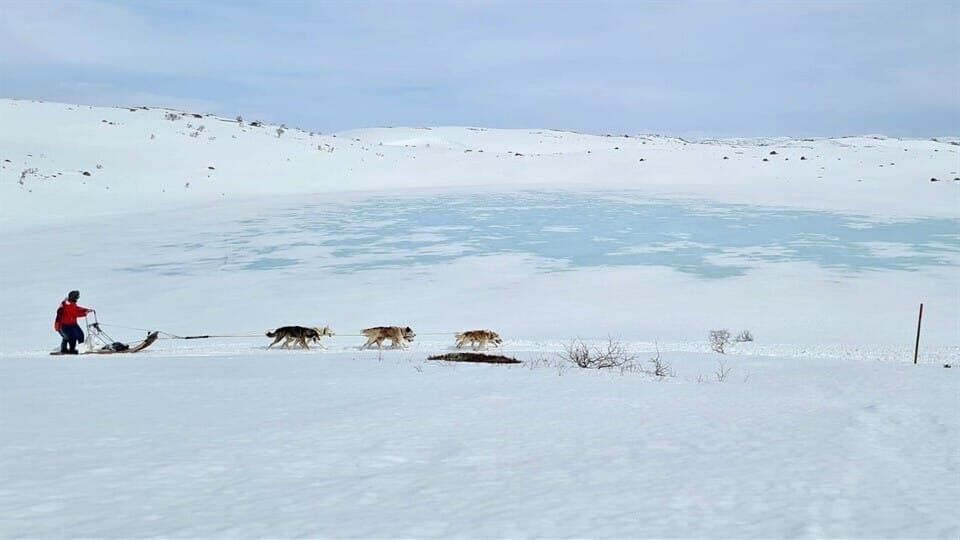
pixel 750 68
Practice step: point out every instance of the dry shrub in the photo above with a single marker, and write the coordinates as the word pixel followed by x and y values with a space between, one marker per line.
pixel 611 355
pixel 719 339
pixel 660 367
pixel 722 372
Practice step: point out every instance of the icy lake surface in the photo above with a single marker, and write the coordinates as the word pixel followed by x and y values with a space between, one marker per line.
pixel 565 230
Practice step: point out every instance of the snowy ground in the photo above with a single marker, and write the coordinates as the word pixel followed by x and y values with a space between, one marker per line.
pixel 822 428
pixel 341 444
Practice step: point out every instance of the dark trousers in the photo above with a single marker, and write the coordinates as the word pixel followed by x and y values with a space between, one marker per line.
pixel 71 334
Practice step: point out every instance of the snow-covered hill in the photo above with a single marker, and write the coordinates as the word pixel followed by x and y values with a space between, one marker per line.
pixel 61 160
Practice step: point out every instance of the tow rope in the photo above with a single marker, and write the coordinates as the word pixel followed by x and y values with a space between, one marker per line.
pixel 168 335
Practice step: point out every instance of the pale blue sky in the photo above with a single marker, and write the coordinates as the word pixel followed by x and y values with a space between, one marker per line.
pixel 694 68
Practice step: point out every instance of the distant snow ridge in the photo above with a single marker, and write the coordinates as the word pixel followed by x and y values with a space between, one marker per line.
pixel 58 158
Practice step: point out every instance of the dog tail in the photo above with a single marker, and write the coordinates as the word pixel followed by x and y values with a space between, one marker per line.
pixel 271 333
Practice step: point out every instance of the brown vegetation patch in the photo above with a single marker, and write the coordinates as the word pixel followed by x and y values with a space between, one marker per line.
pixel 475 357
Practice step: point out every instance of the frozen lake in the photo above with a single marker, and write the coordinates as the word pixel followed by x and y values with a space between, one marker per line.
pixel 563 230
pixel 535 265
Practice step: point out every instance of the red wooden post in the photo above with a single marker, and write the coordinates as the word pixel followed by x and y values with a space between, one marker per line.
pixel 916 348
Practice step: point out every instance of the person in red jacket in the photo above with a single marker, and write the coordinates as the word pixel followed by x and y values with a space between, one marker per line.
pixel 66 323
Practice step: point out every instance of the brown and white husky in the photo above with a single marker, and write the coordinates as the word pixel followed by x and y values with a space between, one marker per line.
pixel 398 336
pixel 478 339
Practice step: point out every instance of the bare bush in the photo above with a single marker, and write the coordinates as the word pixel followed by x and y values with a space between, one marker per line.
pixel 537 361
pixel 719 339
pixel 173 117
pixel 281 130
pixel 614 354
pixel 611 355
pixel 239 119
pixel 722 371
pixel 743 337
pixel 578 354
pixel 660 367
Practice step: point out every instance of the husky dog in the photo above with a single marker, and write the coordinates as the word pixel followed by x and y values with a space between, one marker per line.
pixel 478 339
pixel 399 337
pixel 299 334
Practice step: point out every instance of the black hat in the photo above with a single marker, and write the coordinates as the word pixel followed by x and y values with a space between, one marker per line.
pixel 73 296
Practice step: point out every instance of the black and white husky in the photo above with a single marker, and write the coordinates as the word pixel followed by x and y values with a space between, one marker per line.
pixel 300 335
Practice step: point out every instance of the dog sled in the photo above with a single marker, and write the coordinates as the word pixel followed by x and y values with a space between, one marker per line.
pixel 98 342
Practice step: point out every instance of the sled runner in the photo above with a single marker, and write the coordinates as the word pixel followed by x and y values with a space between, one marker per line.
pixel 107 345
pixel 119 348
